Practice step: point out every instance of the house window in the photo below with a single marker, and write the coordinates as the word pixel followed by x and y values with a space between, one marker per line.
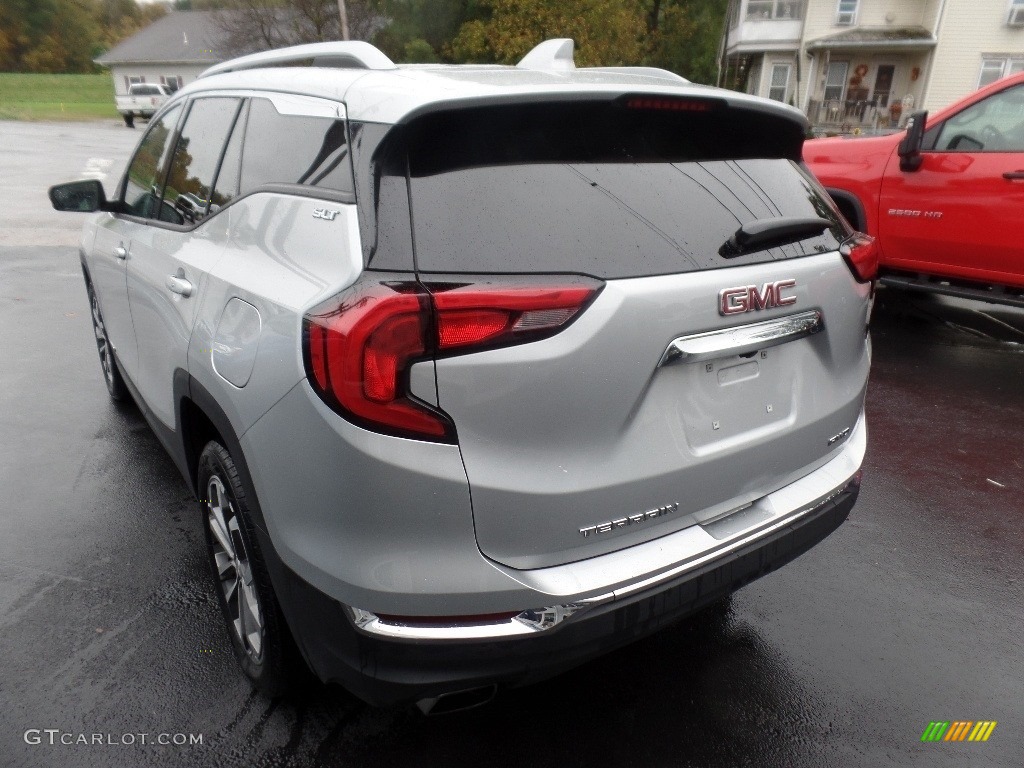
pixel 994 68
pixel 130 80
pixel 1016 17
pixel 835 81
pixel 758 10
pixel 779 88
pixel 173 82
pixel 847 12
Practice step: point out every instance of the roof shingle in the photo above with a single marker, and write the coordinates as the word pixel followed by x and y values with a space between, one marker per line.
pixel 180 37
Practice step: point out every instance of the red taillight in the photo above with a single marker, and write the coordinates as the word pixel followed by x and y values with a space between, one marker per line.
pixel 473 315
pixel 359 347
pixel 459 328
pixel 861 253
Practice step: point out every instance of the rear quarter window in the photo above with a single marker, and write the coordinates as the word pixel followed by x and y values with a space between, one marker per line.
pixel 294 149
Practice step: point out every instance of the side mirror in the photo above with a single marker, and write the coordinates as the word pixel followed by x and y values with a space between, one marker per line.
pixel 910 147
pixel 80 196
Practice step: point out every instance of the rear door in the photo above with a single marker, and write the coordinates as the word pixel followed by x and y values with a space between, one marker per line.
pixel 954 215
pixel 670 399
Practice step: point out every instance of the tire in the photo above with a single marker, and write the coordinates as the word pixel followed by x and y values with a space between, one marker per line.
pixel 111 374
pixel 256 627
pixel 129 119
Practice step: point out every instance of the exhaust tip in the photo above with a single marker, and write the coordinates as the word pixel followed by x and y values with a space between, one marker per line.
pixel 459 701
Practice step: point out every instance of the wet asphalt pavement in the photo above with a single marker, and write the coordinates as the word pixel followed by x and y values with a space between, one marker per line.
pixel 912 611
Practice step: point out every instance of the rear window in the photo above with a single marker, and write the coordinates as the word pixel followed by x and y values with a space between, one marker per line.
pixel 605 189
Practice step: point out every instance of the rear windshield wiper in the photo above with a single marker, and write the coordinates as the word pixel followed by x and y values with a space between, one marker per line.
pixel 761 234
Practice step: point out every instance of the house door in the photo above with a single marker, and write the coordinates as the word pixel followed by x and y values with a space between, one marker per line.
pixel 883 85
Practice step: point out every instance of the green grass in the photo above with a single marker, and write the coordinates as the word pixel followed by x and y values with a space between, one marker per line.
pixel 56 97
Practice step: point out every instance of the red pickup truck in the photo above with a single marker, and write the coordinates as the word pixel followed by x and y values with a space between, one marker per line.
pixel 944 199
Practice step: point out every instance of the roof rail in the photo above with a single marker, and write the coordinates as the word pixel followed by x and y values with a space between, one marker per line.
pixel 551 55
pixel 349 54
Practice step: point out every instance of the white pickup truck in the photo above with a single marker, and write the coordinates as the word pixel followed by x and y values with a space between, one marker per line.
pixel 142 100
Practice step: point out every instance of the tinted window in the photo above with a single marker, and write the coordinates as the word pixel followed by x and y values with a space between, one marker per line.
pixel 146 172
pixel 378 154
pixel 294 149
pixel 603 190
pixel 197 156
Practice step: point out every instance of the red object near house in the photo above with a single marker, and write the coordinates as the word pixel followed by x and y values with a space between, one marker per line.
pixel 948 220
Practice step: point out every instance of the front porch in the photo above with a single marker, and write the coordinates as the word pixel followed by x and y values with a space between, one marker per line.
pixel 867 80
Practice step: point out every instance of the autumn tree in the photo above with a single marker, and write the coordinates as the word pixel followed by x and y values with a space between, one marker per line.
pixel 683 36
pixel 678 35
pixel 66 35
pixel 608 32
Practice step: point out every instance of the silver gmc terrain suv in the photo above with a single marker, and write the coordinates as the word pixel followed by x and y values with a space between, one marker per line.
pixel 478 372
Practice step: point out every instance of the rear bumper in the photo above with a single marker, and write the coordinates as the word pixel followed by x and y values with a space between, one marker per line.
pixel 388 670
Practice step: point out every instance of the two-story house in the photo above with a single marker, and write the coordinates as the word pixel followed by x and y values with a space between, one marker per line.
pixel 866 63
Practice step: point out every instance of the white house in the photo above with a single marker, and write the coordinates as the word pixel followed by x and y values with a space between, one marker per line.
pixel 867 63
pixel 173 50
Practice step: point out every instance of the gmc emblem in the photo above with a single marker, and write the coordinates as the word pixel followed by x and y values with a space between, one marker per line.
pixel 747 298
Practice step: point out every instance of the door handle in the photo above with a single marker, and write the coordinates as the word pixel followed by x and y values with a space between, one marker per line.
pixel 179 285
pixel 121 252
pixel 1013 175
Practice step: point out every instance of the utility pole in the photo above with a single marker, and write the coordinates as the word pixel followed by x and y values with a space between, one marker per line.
pixel 343 15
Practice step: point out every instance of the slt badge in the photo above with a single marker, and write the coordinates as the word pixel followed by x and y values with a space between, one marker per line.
pixel 327 214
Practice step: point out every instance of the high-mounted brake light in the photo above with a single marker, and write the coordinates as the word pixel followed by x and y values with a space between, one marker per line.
pixel 672 104
pixel 359 347
pixel 861 254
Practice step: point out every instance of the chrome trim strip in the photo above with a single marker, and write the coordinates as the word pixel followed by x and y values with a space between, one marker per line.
pixel 742 339
pixel 528 622
pixel 731 546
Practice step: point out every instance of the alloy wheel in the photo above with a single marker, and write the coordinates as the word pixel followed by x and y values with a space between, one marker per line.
pixel 234 571
pixel 102 342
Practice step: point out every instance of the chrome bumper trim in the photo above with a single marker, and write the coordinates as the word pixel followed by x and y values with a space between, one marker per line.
pixel 528 622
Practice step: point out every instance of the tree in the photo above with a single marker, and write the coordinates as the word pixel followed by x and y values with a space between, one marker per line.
pixel 683 36
pixel 252 25
pixel 66 35
pixel 407 24
pixel 678 35
pixel 608 32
